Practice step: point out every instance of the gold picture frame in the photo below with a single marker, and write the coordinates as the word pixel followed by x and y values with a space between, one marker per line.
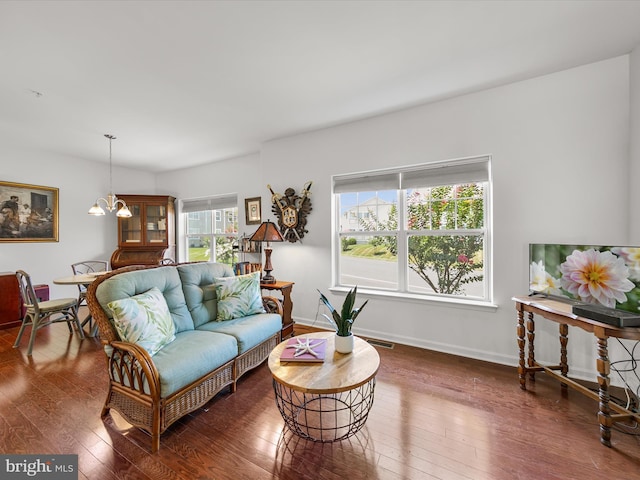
pixel 28 213
pixel 253 210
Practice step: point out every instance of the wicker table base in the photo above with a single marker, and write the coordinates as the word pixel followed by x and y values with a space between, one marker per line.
pixel 325 418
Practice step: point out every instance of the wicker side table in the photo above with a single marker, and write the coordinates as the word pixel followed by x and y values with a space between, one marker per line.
pixel 329 401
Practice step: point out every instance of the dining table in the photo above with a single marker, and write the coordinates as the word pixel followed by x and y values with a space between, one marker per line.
pixel 82 279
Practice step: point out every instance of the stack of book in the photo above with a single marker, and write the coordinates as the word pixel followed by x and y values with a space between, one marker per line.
pixel 304 349
pixel 242 268
pixel 247 246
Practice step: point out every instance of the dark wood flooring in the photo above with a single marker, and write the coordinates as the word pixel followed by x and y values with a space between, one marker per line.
pixel 434 416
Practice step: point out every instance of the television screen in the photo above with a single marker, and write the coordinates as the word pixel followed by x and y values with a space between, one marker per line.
pixel 600 275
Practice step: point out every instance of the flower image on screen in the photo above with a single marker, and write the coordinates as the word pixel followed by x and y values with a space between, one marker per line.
pixel 601 275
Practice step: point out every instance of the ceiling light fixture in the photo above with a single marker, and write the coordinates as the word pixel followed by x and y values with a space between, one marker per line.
pixel 111 202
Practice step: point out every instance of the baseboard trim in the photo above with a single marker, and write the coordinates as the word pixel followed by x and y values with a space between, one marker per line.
pixel 507 360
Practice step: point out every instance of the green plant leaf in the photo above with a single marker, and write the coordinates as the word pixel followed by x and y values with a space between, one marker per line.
pixel 330 320
pixel 357 311
pixel 347 306
pixel 326 302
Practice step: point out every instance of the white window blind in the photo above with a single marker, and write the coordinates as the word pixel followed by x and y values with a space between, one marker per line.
pixel 366 183
pixel 447 173
pixel 209 203
pixel 467 170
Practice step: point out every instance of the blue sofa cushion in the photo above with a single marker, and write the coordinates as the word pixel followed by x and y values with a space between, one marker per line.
pixel 198 284
pixel 248 331
pixel 128 284
pixel 190 356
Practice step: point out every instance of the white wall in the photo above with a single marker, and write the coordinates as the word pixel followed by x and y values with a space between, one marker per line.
pixel 81 236
pixel 559 145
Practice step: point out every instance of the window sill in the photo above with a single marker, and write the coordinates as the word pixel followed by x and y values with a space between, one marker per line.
pixel 441 301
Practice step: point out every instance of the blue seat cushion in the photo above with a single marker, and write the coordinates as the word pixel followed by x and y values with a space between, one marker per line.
pixel 190 356
pixel 249 331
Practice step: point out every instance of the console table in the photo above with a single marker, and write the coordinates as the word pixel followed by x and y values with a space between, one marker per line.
pixel 560 312
pixel 287 305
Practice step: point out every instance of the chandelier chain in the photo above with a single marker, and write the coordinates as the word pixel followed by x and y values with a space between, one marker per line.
pixel 110 137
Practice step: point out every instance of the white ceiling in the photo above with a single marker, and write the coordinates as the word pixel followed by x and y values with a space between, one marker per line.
pixel 181 83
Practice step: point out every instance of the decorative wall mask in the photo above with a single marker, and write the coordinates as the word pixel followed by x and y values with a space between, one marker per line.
pixel 292 210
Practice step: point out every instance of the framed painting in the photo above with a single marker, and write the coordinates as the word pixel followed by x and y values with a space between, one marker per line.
pixel 28 213
pixel 253 210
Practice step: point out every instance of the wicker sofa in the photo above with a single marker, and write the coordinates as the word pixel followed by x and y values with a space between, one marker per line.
pixel 152 392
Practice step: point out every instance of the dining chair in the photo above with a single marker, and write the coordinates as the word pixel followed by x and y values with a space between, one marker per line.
pixel 41 314
pixel 88 266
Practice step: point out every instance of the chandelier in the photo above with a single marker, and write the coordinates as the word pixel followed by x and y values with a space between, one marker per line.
pixel 111 202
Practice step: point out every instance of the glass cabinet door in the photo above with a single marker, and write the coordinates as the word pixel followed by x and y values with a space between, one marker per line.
pixel 156 226
pixel 131 228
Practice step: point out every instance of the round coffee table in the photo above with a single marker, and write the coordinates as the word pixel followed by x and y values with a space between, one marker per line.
pixel 328 401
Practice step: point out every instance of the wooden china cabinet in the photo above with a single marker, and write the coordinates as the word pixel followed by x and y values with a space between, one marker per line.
pixel 148 236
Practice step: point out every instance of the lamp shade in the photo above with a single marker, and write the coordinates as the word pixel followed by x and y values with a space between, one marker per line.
pixel 267 232
pixel 96 210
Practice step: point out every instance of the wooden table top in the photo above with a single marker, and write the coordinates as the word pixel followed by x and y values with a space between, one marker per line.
pixel 338 373
pixel 278 284
pixel 561 312
pixel 80 279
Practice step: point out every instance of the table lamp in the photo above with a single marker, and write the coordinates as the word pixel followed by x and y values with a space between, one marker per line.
pixel 267 232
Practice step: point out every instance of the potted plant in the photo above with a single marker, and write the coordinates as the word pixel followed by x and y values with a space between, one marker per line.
pixel 343 321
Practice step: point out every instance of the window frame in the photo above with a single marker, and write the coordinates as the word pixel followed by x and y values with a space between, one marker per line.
pixel 218 207
pixel 459 168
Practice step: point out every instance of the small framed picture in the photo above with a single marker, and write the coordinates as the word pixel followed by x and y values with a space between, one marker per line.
pixel 28 213
pixel 253 210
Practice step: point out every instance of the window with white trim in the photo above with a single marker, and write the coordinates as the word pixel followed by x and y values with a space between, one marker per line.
pixel 210 227
pixel 422 230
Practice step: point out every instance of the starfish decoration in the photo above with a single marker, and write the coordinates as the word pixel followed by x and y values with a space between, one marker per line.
pixel 303 347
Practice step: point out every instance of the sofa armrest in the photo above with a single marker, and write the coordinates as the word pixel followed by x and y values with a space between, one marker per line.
pixel 272 305
pixel 133 370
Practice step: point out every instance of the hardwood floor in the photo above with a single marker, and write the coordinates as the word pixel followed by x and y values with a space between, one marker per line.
pixel 434 416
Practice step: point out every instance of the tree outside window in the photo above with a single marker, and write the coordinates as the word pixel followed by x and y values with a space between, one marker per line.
pixel 448 263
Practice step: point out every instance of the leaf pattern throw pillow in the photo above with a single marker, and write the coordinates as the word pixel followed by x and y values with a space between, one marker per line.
pixel 145 320
pixel 238 296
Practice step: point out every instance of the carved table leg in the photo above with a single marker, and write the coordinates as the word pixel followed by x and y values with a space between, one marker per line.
pixel 521 343
pixel 604 414
pixel 564 365
pixel 287 308
pixel 531 327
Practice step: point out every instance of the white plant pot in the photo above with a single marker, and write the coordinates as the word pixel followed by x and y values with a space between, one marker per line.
pixel 344 344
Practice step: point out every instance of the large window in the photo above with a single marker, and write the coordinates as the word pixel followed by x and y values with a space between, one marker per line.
pixel 420 230
pixel 210 227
